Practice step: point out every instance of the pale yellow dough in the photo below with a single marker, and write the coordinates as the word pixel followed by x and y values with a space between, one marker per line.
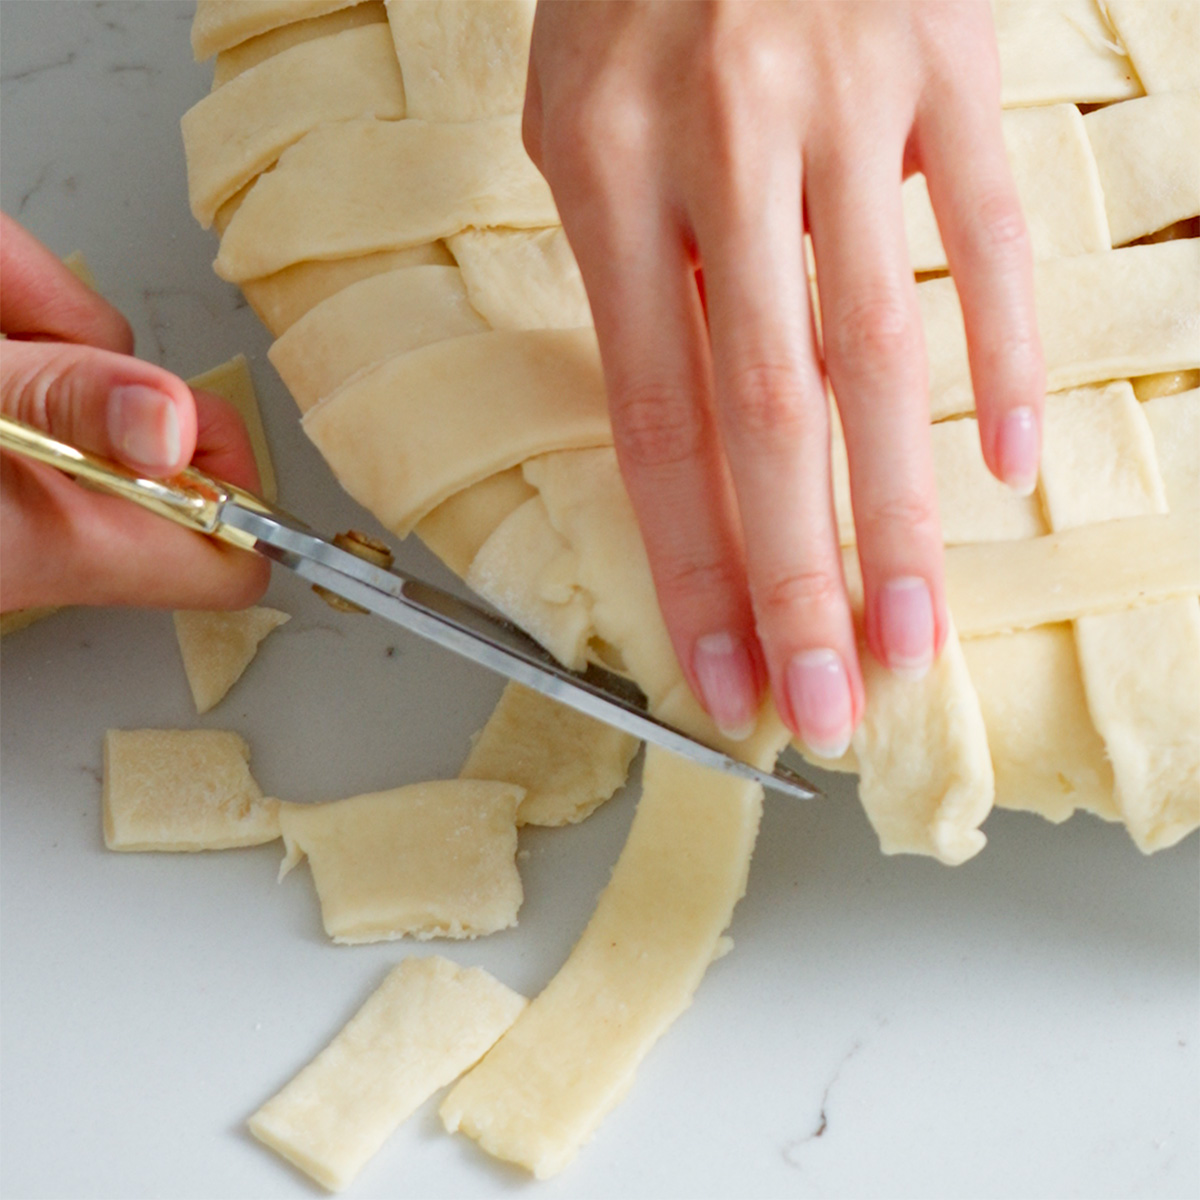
pixel 419 1030
pixel 411 432
pixel 369 321
pixel 1161 38
pixel 567 763
pixel 427 860
pixel 1175 423
pixel 361 186
pixel 177 789
pixel 232 62
pixel 467 59
pixel 239 130
pixel 522 278
pixel 217 647
pixel 457 529
pixel 219 24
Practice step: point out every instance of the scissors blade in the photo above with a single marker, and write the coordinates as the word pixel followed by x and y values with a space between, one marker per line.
pixel 484 638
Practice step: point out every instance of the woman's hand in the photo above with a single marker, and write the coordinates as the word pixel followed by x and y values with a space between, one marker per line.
pixel 66 367
pixel 680 137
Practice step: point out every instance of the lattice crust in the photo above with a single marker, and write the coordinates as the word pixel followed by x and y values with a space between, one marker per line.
pixel 478 419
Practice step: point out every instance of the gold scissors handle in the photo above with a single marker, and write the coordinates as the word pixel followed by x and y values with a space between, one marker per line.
pixel 191 498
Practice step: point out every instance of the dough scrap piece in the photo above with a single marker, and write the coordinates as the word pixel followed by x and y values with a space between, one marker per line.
pixel 407 434
pixel 1056 50
pixel 22 618
pixel 429 860
pixel 217 647
pixel 1133 311
pixel 522 278
pixel 1141 666
pixel 568 764
pixel 1056 179
pixel 1160 39
pixel 236 132
pixel 1046 753
pixel 466 59
pixel 219 24
pixel 281 299
pixel 1175 423
pixel 541 1091
pixel 419 1030
pixel 182 789
pixel 361 186
pixel 232 62
pixel 1146 155
pixel 369 321
pixel 925 773
pixel 77 264
pixel 509 572
pixel 457 529
pixel 232 381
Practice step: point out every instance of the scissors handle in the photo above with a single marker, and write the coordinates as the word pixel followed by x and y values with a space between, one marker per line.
pixel 191 498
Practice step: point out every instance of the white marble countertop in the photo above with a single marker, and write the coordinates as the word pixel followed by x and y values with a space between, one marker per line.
pixel 1024 1025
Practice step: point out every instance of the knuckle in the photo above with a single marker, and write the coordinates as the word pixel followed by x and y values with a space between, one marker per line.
pixel 896 518
pixel 781 596
pixel 656 427
pixel 877 329
pixel 999 229
pixel 765 400
pixel 687 579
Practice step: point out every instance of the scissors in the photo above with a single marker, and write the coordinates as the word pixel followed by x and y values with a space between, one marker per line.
pixel 218 509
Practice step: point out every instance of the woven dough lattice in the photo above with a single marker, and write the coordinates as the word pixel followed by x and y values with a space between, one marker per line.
pixel 363 164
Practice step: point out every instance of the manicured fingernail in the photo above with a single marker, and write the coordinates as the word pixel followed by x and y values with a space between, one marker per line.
pixel 143 426
pixel 725 673
pixel 819 693
pixel 1017 450
pixel 906 625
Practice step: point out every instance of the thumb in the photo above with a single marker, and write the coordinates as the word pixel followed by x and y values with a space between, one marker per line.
pixel 98 400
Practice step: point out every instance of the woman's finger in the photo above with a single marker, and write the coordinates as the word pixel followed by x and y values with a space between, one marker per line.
pixel 98 400
pixel 962 153
pixel 874 354
pixel 774 421
pixel 40 297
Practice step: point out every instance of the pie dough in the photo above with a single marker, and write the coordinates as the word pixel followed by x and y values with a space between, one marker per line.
pixel 568 764
pixel 220 24
pixel 182 789
pixel 217 647
pixel 418 1031
pixel 1161 39
pixel 427 860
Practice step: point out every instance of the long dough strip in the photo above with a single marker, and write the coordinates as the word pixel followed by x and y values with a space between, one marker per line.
pixel 1175 422
pixel 239 130
pixel 1160 39
pixel 1127 312
pixel 362 186
pixel 1056 179
pixel 420 1029
pixel 404 436
pixel 370 321
pixel 1148 162
pixel 219 24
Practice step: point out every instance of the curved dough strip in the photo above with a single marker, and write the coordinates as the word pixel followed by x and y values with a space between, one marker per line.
pixel 467 59
pixel 369 321
pixel 1161 39
pixel 232 62
pixel 239 130
pixel 281 299
pixel 1149 166
pixel 1133 311
pixel 407 434
pixel 361 186
pixel 219 24
pixel 459 526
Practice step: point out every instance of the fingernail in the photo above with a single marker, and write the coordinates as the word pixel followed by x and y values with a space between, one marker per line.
pixel 725 673
pixel 819 693
pixel 143 426
pixel 906 625
pixel 1017 450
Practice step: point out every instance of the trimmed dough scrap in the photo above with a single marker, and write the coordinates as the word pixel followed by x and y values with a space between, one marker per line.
pixel 369 321
pixel 429 860
pixel 239 130
pixel 182 789
pixel 219 24
pixel 217 647
pixel 522 278
pixel 568 764
pixel 414 430
pixel 418 1031
pixel 466 60
pixel 361 186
